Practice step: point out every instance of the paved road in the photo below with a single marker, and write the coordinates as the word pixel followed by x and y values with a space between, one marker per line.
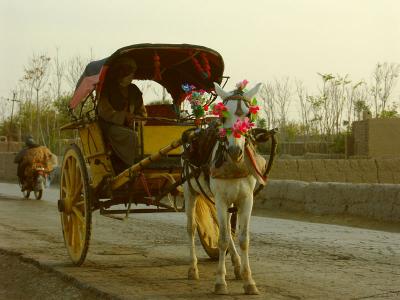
pixel 145 257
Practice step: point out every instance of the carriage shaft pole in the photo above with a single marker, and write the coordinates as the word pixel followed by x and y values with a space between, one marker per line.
pixel 126 175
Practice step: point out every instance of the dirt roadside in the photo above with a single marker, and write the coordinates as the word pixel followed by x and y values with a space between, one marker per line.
pixel 23 278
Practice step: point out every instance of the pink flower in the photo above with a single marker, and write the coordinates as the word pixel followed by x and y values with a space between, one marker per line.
pixel 241 127
pixel 242 84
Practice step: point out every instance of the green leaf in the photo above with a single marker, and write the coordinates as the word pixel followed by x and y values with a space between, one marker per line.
pixel 225 114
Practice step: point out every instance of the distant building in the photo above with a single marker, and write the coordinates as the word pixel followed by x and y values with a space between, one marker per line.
pixel 374 138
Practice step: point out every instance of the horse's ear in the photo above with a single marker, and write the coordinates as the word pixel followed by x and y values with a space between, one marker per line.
pixel 220 92
pixel 250 94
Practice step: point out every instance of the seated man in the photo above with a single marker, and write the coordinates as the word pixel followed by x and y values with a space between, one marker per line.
pixel 120 103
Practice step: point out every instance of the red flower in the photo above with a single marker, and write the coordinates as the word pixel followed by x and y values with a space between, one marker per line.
pixel 241 127
pixel 206 107
pixel 237 134
pixel 254 109
pixel 218 109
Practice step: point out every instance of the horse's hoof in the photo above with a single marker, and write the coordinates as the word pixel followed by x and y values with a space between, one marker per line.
pixel 238 276
pixel 221 289
pixel 251 289
pixel 193 274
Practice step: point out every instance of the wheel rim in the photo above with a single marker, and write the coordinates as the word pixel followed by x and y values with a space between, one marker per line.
pixel 75 217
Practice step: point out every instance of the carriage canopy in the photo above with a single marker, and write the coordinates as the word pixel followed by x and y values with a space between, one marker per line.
pixel 171 65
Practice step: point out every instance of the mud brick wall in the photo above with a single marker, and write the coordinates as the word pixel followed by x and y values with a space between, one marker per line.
pixel 10 146
pixel 338 170
pixel 308 170
pixel 368 200
pixel 8 170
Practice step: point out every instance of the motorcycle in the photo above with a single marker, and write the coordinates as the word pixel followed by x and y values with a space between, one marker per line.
pixel 36 183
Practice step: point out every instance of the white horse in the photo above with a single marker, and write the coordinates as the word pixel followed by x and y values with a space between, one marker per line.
pixel 227 190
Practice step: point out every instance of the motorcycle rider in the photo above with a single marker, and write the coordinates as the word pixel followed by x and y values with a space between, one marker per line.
pixel 29 144
pixel 32 154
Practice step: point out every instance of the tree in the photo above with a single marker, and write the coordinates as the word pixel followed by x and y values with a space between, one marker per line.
pixel 282 98
pixel 354 93
pixel 76 66
pixel 261 123
pixel 267 95
pixel 384 80
pixel 37 74
pixel 277 98
pixel 59 70
pixel 305 108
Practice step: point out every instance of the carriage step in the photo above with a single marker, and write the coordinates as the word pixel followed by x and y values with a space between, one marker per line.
pixel 114 217
pixel 107 212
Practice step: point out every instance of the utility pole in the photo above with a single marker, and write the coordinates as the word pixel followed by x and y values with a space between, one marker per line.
pixel 13 100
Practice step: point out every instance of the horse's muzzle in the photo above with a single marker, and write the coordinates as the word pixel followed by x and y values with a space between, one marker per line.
pixel 236 153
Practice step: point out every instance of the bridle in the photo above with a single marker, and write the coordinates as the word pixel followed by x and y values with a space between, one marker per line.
pixel 223 141
pixel 238 96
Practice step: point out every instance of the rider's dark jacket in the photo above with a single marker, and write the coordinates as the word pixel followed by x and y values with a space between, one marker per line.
pixel 19 157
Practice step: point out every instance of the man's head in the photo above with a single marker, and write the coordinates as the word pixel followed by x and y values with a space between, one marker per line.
pixel 123 70
pixel 29 141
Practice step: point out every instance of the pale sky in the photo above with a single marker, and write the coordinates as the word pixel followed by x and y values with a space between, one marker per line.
pixel 259 40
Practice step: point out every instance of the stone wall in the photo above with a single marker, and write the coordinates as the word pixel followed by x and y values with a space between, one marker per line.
pixel 317 186
pixel 384 137
pixel 8 170
pixel 308 170
pixel 338 170
pixel 375 138
pixel 10 146
pixel 372 201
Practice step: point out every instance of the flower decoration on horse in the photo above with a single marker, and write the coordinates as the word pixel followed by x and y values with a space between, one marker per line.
pixel 242 126
pixel 197 100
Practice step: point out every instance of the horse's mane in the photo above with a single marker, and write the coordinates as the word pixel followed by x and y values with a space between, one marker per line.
pixel 198 152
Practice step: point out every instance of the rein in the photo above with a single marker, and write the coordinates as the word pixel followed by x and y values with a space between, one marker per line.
pixel 250 153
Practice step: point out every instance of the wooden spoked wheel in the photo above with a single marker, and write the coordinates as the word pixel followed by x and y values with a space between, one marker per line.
pixel 207 226
pixel 75 204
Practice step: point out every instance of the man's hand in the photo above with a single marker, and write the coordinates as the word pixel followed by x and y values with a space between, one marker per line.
pixel 129 119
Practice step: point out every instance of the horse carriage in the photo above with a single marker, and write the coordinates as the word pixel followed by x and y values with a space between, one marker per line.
pixel 89 179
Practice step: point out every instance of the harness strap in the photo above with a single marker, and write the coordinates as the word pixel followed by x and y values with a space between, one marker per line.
pixel 249 152
pixel 195 173
pixel 202 190
pixel 274 144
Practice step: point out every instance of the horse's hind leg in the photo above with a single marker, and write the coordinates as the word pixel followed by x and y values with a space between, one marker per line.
pixel 190 206
pixel 244 222
pixel 235 258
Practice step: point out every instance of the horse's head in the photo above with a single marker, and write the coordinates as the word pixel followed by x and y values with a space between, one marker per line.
pixel 237 119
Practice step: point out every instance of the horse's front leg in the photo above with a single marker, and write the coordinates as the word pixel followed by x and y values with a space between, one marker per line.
pixel 245 208
pixel 190 207
pixel 235 258
pixel 223 243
